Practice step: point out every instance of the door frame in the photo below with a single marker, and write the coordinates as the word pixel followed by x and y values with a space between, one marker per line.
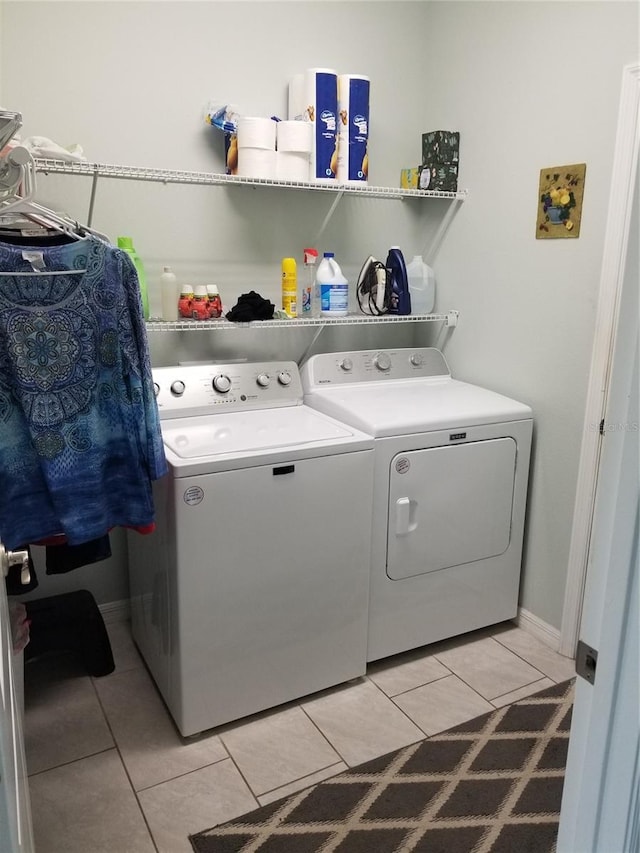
pixel 625 164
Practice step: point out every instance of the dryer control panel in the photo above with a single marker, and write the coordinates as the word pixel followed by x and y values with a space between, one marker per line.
pixel 341 368
pixel 201 389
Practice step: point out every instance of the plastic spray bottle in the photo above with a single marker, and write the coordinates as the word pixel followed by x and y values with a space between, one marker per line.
pixel 310 297
pixel 126 244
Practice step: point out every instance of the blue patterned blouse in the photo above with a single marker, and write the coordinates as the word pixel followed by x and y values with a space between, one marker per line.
pixel 80 436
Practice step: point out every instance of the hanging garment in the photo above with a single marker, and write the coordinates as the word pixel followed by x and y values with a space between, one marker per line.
pixel 80 436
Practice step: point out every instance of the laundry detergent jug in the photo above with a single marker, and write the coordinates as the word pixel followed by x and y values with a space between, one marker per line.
pixel 397 272
pixel 422 284
pixel 333 286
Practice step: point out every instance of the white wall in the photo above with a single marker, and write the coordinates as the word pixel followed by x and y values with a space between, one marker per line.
pixel 528 84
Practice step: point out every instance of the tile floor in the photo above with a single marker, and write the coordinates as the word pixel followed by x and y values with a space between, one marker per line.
pixel 109 773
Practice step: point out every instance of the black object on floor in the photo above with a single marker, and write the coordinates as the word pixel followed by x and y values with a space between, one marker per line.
pixel 70 622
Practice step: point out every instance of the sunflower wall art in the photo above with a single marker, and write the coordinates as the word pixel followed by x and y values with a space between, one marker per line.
pixel 560 201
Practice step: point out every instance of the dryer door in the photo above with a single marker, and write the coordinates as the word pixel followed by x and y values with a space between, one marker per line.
pixel 449 506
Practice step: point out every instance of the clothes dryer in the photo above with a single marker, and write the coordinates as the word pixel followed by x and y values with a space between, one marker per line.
pixel 450 487
pixel 253 589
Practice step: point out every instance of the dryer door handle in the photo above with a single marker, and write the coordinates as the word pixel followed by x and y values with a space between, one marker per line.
pixel 403 516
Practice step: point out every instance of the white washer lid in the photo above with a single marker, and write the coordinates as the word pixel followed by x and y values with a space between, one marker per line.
pixel 209 443
pixel 238 432
pixel 403 407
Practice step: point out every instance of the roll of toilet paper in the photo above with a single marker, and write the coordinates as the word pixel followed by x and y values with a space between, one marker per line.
pixel 256 163
pixel 320 102
pixel 292 165
pixel 293 136
pixel 256 132
pixel 353 128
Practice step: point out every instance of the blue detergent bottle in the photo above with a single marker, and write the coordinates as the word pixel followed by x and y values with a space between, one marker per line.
pixel 397 271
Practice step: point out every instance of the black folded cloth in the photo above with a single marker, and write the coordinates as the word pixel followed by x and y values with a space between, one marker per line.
pixel 65 558
pixel 251 306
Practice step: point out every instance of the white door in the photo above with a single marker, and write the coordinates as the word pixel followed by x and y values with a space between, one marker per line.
pixel 449 506
pixel 601 801
pixel 16 835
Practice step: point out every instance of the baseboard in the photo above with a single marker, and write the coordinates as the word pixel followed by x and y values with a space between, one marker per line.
pixel 115 611
pixel 535 626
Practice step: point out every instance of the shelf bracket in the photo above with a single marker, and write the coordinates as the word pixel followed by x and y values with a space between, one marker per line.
pixel 305 354
pixel 327 218
pixel 92 198
pixel 430 251
pixel 452 319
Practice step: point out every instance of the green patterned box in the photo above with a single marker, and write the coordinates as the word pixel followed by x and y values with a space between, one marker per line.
pixel 439 176
pixel 441 146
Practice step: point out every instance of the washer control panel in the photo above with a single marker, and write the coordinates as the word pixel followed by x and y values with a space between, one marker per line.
pixel 199 389
pixel 341 368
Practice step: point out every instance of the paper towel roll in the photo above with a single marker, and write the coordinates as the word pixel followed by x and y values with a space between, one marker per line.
pixel 320 99
pixel 256 163
pixel 293 136
pixel 353 128
pixel 256 132
pixel 292 166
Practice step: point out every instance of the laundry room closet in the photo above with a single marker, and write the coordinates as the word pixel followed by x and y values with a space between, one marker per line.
pixel 526 84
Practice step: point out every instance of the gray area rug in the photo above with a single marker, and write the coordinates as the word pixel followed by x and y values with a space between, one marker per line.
pixel 492 785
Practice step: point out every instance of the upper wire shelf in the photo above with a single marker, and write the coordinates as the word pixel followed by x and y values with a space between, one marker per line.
pixel 450 318
pixel 173 176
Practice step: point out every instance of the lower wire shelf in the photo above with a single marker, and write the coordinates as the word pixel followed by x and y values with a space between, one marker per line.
pixel 449 318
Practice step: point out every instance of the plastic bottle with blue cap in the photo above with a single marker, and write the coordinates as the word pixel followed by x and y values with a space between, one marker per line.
pixel 334 287
pixel 397 270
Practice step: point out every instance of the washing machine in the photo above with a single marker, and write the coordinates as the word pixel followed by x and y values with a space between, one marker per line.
pixel 253 589
pixel 450 488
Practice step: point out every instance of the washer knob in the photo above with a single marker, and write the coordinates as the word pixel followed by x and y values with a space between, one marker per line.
pixel 263 380
pixel 417 359
pixel 284 377
pixel 177 388
pixel 382 361
pixel 346 364
pixel 156 388
pixel 221 383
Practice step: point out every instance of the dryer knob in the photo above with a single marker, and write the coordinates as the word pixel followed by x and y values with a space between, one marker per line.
pixel 284 377
pixel 177 388
pixel 221 383
pixel 417 359
pixel 263 380
pixel 346 364
pixel 156 388
pixel 382 361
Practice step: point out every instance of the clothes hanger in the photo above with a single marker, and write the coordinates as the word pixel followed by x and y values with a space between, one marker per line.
pixel 17 190
pixel 18 187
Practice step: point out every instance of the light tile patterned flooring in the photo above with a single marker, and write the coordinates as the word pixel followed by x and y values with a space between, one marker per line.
pixel 109 773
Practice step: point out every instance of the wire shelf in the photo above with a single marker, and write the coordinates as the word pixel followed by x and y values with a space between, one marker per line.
pixel 173 176
pixel 157 325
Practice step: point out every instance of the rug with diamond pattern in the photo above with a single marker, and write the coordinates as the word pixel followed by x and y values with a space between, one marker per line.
pixel 492 785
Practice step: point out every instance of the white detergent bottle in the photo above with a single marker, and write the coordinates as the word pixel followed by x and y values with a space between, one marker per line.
pixel 334 287
pixel 422 286
pixel 169 294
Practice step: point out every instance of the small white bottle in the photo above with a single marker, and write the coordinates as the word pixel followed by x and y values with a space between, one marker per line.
pixel 169 294
pixel 422 283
